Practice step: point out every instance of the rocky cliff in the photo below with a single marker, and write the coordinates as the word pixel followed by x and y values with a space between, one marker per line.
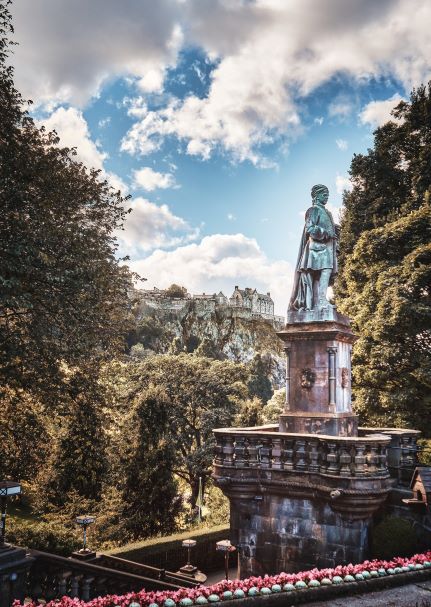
pixel 187 324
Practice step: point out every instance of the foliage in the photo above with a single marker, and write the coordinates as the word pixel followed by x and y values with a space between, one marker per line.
pixel 149 469
pixel 259 384
pixel 63 293
pixel 78 459
pixel 209 349
pixel 218 507
pixel 385 277
pixel 250 413
pixel 176 291
pixel 24 436
pixel 393 536
pixel 196 395
pixel 274 407
pixel 45 536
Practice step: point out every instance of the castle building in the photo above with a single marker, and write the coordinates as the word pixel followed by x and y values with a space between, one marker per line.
pixel 259 303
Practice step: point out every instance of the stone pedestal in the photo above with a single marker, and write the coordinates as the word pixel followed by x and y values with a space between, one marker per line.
pixel 318 374
pixel 14 565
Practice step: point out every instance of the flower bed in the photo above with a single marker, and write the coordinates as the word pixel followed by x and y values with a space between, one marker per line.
pixel 253 586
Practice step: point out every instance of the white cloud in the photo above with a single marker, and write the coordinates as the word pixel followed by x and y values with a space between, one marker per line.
pixel 231 217
pixel 319 120
pixel 342 182
pixel 377 113
pixel 68 50
pixel 73 132
pixel 268 55
pixel 150 225
pixel 217 263
pixel 148 179
pixel 342 144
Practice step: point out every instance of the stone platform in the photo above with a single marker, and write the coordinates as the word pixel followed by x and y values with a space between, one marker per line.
pixel 300 501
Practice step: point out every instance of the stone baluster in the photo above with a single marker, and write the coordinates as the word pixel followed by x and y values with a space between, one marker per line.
pixel 74 586
pixel 254 446
pixel 332 351
pixel 372 458
pixel 314 455
pixel 287 454
pixel 345 460
pixel 300 454
pixel 265 453
pixel 228 450
pixel 62 582
pixel 332 458
pixel 219 455
pixel 276 453
pixel 240 452
pixel 287 399
pixel 86 588
pixel 359 459
pixel 383 460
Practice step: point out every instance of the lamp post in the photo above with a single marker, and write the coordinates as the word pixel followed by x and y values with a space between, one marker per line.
pixel 188 569
pixel 84 521
pixel 226 547
pixel 7 488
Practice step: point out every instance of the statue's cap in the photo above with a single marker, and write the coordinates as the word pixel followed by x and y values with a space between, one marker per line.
pixel 316 189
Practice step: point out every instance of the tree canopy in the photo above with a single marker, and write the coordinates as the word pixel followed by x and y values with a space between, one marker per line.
pixel 63 292
pixel 385 259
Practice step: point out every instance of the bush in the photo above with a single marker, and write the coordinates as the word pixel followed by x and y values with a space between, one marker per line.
pixel 393 536
pixel 47 537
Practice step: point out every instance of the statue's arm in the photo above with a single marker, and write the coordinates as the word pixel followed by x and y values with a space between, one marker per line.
pixel 312 221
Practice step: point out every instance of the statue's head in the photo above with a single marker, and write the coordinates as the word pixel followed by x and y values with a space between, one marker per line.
pixel 319 193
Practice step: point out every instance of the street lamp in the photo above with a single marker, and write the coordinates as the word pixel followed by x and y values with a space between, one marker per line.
pixel 7 488
pixel 226 547
pixel 84 521
pixel 188 569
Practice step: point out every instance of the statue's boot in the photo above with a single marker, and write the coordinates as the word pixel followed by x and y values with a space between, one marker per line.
pixel 325 276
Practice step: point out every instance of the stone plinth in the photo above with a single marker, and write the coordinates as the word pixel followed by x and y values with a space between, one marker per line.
pixel 300 500
pixel 318 374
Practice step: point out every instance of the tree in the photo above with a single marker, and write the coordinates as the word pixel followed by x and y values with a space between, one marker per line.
pixel 385 277
pixel 150 497
pixel 63 292
pixel 274 407
pixel 78 462
pixel 259 384
pixel 200 394
pixel 176 291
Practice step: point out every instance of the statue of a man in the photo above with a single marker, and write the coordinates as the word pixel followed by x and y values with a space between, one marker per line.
pixel 317 259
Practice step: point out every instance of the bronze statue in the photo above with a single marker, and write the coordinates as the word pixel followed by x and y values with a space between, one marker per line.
pixel 317 260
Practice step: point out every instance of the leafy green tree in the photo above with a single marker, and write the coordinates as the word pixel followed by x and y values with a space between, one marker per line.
pixel 201 394
pixel 250 413
pixel 274 407
pixel 176 291
pixel 259 384
pixel 385 260
pixel 63 292
pixel 78 462
pixel 150 497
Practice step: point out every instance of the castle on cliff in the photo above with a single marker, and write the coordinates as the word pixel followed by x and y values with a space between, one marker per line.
pixel 243 303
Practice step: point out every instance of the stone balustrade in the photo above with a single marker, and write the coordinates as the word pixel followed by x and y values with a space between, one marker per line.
pixel 266 449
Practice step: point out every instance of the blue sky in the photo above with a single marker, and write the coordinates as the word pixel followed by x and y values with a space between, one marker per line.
pixel 218 116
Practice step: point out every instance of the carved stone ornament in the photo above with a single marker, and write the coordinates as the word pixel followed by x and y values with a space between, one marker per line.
pixel 308 378
pixel 344 377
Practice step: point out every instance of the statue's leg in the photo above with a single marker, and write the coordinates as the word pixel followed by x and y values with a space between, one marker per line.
pixel 308 291
pixel 325 276
pixel 315 280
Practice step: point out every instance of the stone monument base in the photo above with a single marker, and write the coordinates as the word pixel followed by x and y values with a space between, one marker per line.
pixel 335 424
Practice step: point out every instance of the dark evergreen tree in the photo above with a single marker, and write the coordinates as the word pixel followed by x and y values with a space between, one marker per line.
pixel 78 462
pixel 259 384
pixel 385 268
pixel 150 498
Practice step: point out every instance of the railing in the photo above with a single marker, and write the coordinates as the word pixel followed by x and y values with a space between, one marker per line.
pixel 52 576
pixel 301 453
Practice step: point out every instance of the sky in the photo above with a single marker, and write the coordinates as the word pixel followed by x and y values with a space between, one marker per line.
pixel 218 116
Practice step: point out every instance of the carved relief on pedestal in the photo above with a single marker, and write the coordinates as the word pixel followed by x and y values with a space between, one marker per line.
pixel 308 378
pixel 345 379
